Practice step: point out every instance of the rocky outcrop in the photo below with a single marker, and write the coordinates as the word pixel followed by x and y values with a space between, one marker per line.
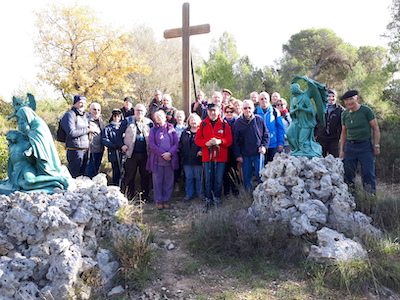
pixel 48 241
pixel 308 194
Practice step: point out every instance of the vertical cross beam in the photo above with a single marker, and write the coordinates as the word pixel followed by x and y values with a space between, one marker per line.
pixel 185 59
pixel 185 32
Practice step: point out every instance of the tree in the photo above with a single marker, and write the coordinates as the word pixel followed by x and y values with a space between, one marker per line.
pixel 371 74
pixel 248 78
pixel 319 54
pixel 393 30
pixel 226 69
pixel 165 60
pixel 79 55
pixel 219 68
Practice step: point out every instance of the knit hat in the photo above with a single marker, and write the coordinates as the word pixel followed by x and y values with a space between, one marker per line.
pixel 78 98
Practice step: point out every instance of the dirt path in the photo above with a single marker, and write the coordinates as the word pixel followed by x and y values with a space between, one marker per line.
pixel 180 275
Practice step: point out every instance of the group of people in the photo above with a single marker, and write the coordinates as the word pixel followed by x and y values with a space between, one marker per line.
pixel 223 143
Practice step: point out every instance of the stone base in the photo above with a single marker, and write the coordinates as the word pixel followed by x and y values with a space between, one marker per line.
pixel 6 188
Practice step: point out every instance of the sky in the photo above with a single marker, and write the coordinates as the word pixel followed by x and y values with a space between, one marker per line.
pixel 260 28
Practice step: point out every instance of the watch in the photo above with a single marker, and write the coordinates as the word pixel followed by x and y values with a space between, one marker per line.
pixel 377 146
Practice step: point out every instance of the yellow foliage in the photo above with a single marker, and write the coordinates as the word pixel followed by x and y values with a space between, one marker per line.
pixel 79 55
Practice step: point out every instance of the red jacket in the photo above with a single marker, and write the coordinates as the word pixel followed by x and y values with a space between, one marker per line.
pixel 220 131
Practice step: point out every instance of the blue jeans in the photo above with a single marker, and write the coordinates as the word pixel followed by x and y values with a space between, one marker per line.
pixel 214 175
pixel 93 165
pixel 362 153
pixel 249 164
pixel 271 153
pixel 193 180
pixel 77 160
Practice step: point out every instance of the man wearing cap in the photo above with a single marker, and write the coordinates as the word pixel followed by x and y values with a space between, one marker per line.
pixel 135 144
pixel 214 136
pixel 328 136
pixel 226 95
pixel 96 148
pixel 215 99
pixel 127 110
pixel 357 142
pixel 76 126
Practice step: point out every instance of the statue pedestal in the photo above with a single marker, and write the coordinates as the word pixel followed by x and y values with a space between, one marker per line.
pixel 6 188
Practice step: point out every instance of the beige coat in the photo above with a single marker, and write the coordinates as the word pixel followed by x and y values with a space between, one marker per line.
pixel 131 132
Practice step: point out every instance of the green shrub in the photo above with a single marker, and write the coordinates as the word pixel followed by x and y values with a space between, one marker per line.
pixel 3 157
pixel 135 253
pixel 383 208
pixel 228 232
pixel 379 271
pixel 387 164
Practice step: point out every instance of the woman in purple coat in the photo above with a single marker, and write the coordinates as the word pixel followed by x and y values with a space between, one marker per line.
pixel 162 159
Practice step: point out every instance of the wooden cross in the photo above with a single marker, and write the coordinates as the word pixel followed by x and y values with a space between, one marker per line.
pixel 185 32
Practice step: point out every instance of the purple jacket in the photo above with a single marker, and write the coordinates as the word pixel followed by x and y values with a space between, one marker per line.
pixel 156 151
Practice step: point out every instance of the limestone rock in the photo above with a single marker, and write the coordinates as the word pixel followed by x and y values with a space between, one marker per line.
pixel 308 194
pixel 47 241
pixel 334 247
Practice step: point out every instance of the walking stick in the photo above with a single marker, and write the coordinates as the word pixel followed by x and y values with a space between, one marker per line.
pixel 262 156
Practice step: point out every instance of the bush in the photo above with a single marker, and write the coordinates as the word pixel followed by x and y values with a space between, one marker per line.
pixel 381 270
pixel 3 157
pixel 383 208
pixel 228 232
pixel 135 253
pixel 387 164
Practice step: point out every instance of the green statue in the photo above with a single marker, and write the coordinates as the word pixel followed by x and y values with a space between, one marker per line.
pixel 301 133
pixel 33 162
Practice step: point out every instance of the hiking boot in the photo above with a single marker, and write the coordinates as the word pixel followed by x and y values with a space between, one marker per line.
pixel 209 205
pixel 186 199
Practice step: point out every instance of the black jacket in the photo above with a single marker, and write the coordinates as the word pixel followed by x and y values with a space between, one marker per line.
pixel 333 127
pixel 188 148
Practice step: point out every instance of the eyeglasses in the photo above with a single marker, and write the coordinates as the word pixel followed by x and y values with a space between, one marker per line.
pixel 229 112
pixel 247 107
pixel 279 105
pixel 263 98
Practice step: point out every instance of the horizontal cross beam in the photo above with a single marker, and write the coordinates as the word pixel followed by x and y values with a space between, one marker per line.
pixel 193 30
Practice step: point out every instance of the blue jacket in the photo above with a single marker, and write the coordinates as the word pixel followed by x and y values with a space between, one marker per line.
pixel 109 139
pixel 247 138
pixel 274 124
pixel 76 126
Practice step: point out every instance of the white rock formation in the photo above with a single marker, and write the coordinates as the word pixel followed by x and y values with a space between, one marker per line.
pixel 334 247
pixel 47 241
pixel 308 194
